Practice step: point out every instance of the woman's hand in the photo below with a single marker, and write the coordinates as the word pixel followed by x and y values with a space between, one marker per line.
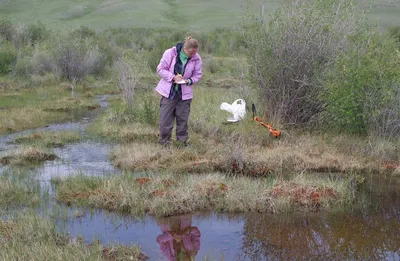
pixel 178 78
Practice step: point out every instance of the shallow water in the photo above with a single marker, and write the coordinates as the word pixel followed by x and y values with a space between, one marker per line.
pixel 368 233
pixel 87 157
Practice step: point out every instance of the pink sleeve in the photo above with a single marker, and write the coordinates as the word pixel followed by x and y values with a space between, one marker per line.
pixel 192 240
pixel 197 72
pixel 165 237
pixel 163 66
pixel 166 245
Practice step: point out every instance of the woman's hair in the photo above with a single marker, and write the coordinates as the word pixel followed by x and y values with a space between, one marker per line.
pixel 190 43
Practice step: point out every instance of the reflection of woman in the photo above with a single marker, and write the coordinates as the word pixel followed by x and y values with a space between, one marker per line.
pixel 179 241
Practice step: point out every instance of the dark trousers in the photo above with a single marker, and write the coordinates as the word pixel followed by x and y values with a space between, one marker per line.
pixel 169 111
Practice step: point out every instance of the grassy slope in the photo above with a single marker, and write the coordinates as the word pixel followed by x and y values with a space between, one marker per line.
pixel 101 13
pixel 156 13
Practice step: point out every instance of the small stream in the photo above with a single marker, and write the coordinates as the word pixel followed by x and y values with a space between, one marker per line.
pixel 369 233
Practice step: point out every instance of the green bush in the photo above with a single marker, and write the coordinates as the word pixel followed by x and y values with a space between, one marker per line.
pixel 83 32
pixel 24 67
pixel 6 29
pixel 35 33
pixel 287 55
pixel 8 57
pixel 395 33
pixel 220 42
pixel 363 89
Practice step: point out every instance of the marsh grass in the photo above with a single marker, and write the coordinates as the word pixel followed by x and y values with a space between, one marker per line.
pixel 176 194
pixel 32 108
pixel 49 139
pixel 237 155
pixel 244 147
pixel 18 191
pixel 25 156
pixel 28 236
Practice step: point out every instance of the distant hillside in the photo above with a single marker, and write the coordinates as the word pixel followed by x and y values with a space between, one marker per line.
pixel 191 14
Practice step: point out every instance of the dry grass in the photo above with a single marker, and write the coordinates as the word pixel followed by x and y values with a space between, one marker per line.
pixel 304 153
pixel 29 236
pixel 176 194
pixel 151 156
pixel 28 155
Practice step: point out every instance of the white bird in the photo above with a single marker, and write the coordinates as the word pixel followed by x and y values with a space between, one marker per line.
pixel 237 108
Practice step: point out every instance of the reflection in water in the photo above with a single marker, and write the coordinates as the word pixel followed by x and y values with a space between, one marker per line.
pixel 179 239
pixel 336 237
pixel 372 233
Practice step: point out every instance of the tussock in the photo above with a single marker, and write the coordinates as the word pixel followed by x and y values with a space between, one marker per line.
pixel 177 194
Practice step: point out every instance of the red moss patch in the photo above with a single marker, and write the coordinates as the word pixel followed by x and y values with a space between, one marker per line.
pixel 168 183
pixel 392 166
pixel 142 181
pixel 306 196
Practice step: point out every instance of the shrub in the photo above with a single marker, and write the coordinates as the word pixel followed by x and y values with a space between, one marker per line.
pixel 126 83
pixel 35 33
pixel 363 89
pixel 288 54
pixel 42 62
pixel 212 65
pixel 395 33
pixel 77 58
pixel 31 35
pixel 83 32
pixel 8 56
pixel 6 29
pixel 33 61
pixel 23 67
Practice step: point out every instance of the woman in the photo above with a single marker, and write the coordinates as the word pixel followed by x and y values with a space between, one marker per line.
pixel 180 68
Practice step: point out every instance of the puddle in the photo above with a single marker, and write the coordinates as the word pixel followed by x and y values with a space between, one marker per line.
pixel 89 158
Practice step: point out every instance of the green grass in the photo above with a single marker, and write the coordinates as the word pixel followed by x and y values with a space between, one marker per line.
pixel 36 107
pixel 190 14
pixel 28 236
pixel 18 190
pixel 101 14
pixel 48 139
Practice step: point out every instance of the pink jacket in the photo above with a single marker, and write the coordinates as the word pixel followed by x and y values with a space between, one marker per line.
pixel 166 71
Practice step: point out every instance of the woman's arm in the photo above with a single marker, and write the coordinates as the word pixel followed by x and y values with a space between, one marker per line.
pixel 163 66
pixel 197 72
